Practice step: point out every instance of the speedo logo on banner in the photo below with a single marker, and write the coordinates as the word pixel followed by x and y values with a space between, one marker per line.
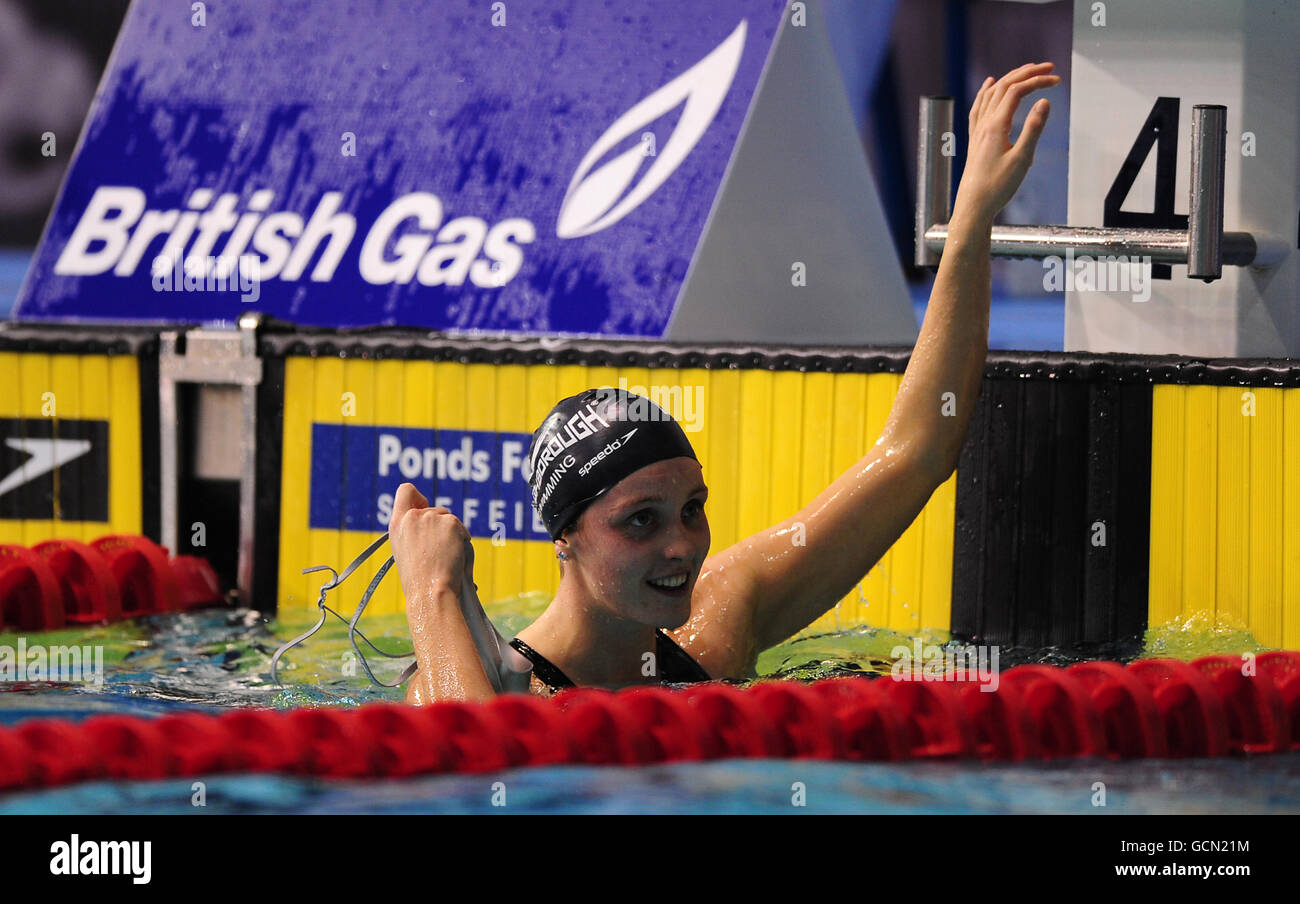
pixel 34 450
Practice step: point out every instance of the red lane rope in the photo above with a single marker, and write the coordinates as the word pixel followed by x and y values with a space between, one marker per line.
pixel 1152 708
pixel 120 576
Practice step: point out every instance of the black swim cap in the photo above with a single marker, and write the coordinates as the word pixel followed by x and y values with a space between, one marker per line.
pixel 591 441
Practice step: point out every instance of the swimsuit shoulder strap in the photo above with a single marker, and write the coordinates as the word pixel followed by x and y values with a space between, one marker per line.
pixel 678 666
pixel 543 668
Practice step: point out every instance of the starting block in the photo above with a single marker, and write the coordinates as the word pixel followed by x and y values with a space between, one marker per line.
pixel 1184 185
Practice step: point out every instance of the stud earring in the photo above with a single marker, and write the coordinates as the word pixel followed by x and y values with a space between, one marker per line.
pixel 560 555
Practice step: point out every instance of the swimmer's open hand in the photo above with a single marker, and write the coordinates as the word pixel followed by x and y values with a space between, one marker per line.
pixel 994 166
pixel 428 546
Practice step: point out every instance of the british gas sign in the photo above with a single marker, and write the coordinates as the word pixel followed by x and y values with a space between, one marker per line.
pixel 456 166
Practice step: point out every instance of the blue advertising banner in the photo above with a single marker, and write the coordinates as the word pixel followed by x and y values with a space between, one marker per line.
pixel 355 471
pixel 533 167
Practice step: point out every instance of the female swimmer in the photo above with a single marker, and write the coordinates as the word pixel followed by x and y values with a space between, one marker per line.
pixel 640 599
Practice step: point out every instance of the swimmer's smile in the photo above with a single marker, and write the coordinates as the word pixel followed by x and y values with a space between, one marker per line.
pixel 673 585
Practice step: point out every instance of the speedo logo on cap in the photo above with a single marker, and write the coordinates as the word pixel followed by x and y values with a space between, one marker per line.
pixel 583 424
pixel 608 450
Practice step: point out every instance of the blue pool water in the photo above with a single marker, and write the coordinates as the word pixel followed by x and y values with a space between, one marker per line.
pixel 1239 786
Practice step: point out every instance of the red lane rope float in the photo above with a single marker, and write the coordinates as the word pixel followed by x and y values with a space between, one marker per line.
pixel 1005 729
pixel 736 725
pixel 540 729
pixel 30 598
pixel 90 594
pixel 260 741
pixel 1067 720
pixel 872 726
pixel 1215 705
pixel 1129 715
pixel 1258 721
pixel 479 740
pixel 802 720
pixel 196 583
pixel 606 733
pixel 127 748
pixel 1196 723
pixel 936 725
pixel 676 729
pixel 408 743
pixel 195 743
pixel 1283 669
pixel 59 752
pixel 335 748
pixel 61 582
pixel 140 568
pixel 15 762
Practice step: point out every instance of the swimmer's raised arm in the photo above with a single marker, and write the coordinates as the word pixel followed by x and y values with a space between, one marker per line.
pixel 953 343
pixel 429 552
pixel 851 524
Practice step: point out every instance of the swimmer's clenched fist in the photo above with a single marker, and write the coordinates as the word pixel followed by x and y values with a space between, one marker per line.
pixel 429 552
pixel 428 546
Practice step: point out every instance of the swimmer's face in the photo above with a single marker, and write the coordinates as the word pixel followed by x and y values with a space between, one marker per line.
pixel 648 529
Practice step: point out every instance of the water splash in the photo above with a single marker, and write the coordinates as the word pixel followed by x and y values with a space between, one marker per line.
pixel 1199 634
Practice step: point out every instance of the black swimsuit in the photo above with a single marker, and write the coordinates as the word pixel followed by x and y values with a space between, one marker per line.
pixel 675 665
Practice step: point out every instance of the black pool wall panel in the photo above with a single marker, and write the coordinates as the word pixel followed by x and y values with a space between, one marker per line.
pixel 270 436
pixel 1052 516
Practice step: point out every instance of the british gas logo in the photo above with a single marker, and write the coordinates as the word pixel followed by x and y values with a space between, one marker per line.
pixel 599 197
pixel 117 229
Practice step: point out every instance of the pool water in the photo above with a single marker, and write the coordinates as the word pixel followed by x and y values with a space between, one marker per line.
pixel 216 659
pixel 1227 786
